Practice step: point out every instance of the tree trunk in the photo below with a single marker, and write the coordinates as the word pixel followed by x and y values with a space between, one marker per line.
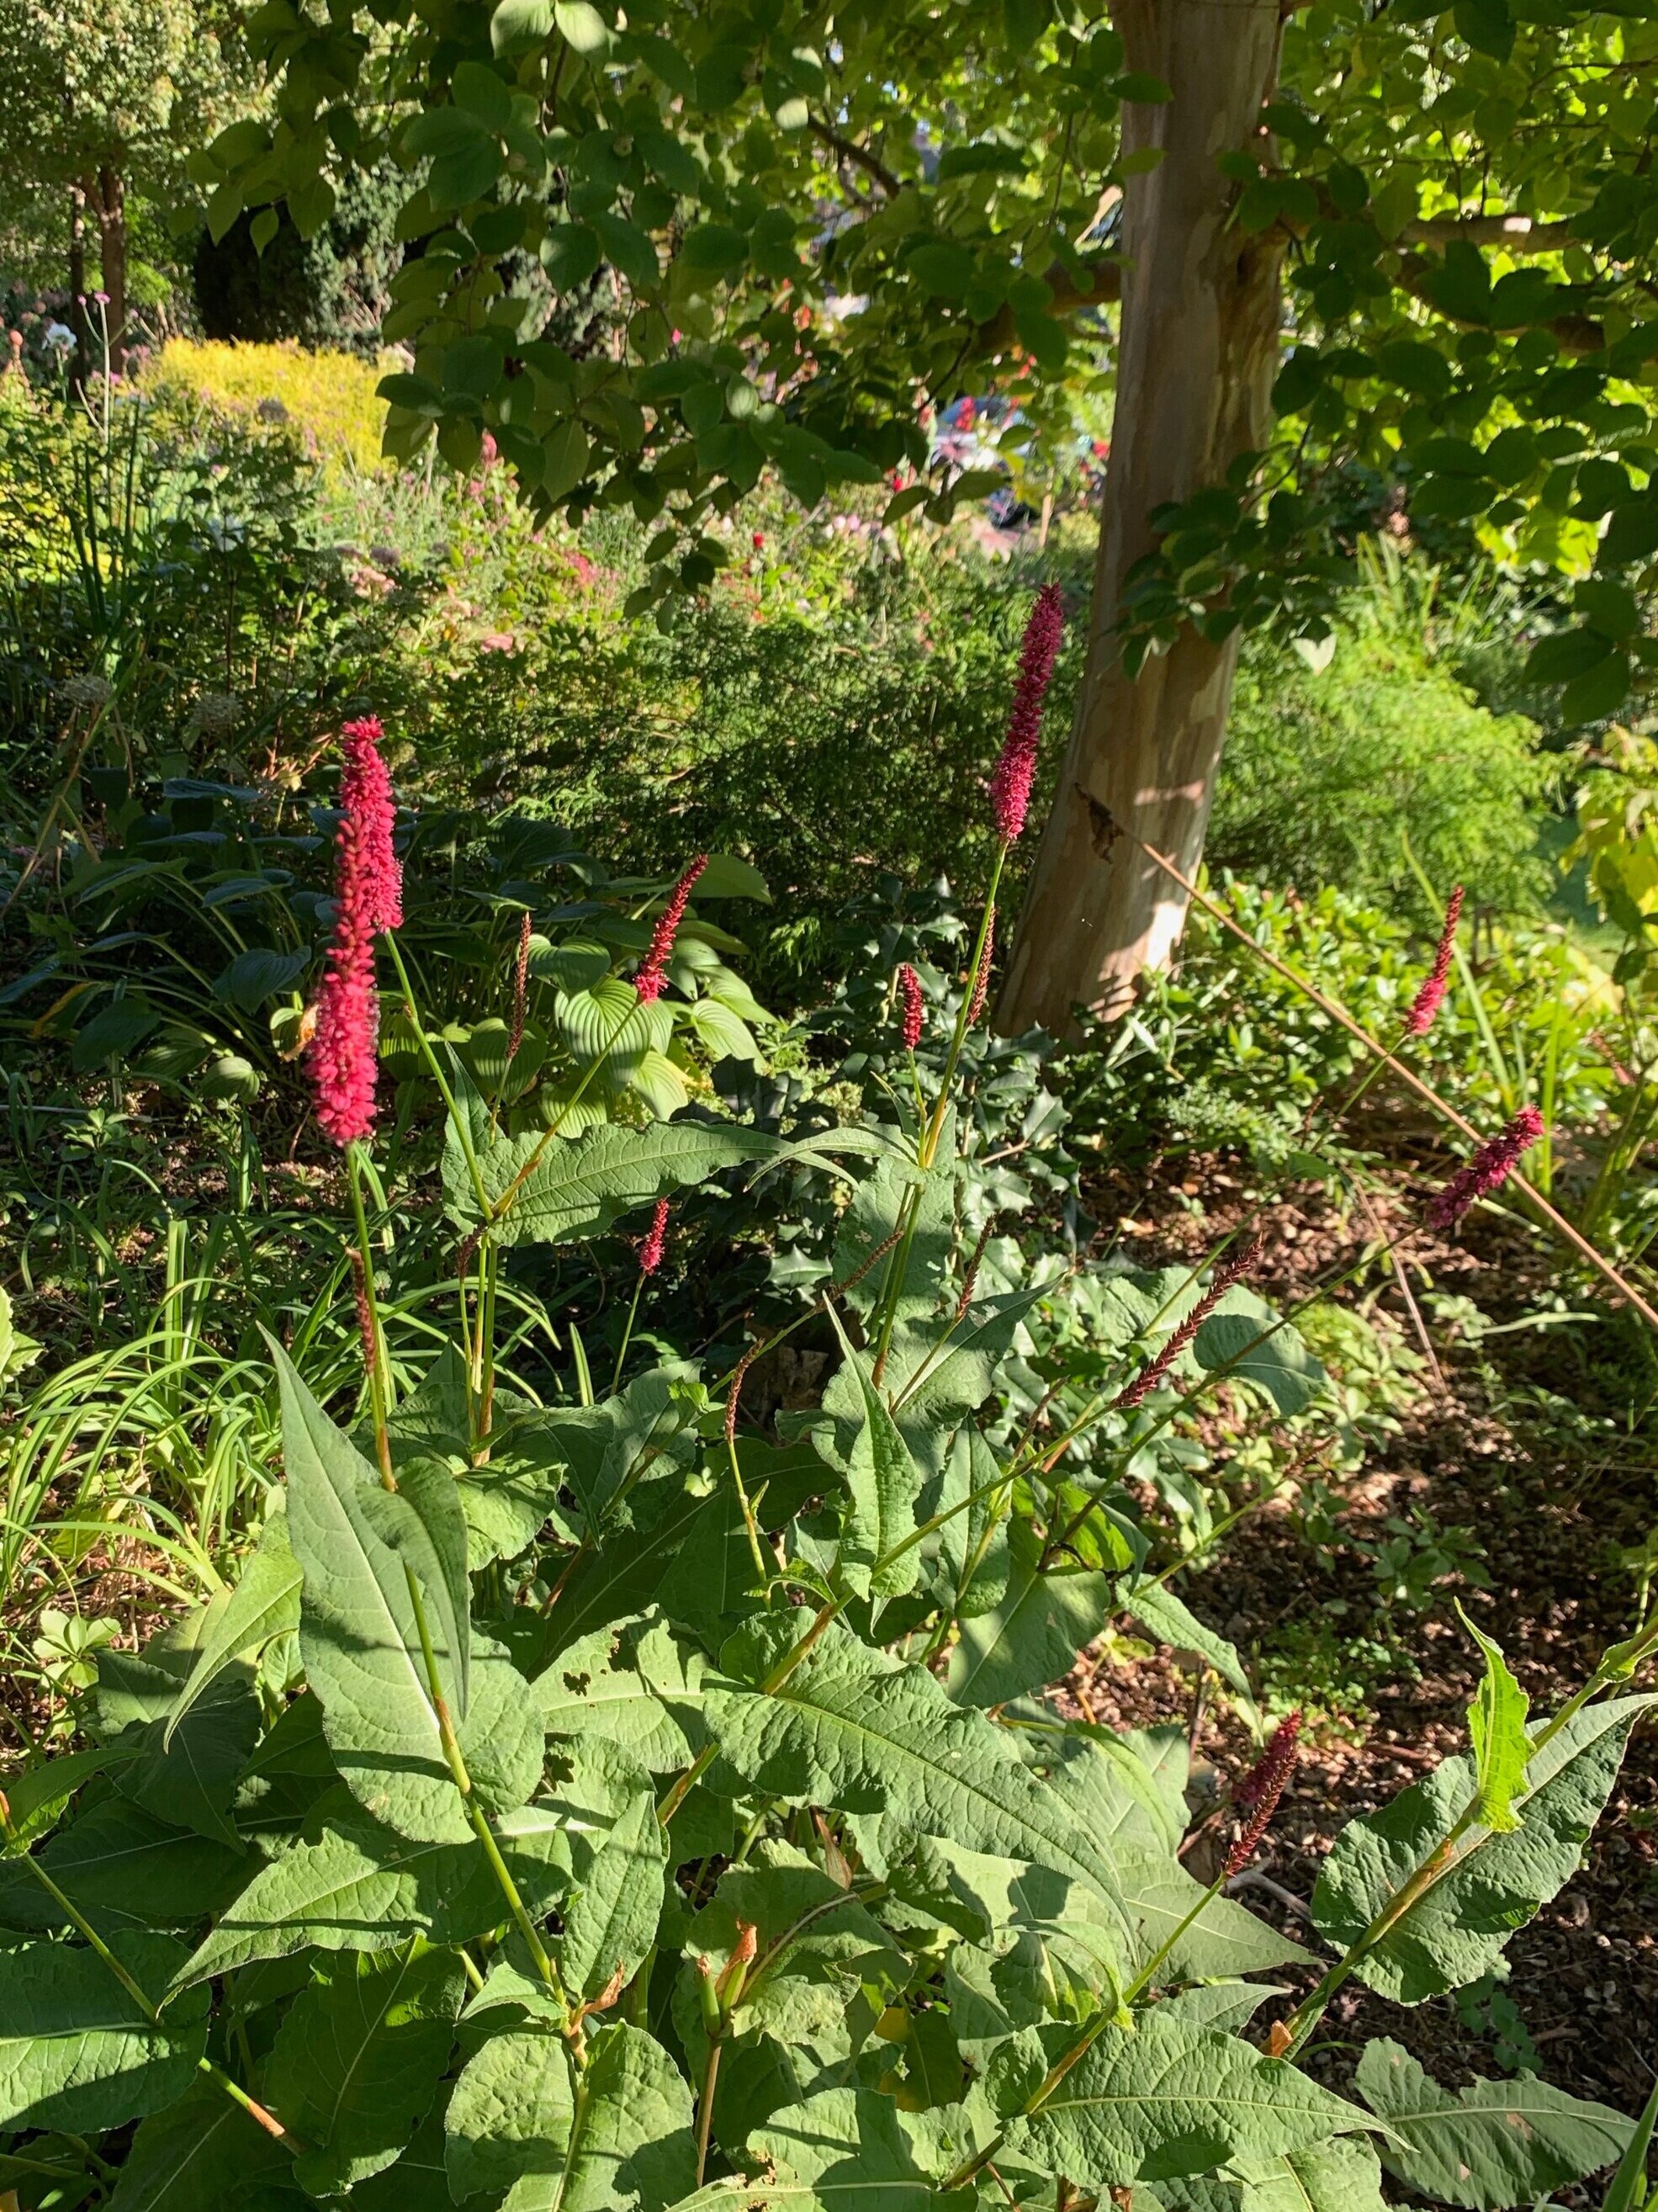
pixel 112 251
pixel 77 288
pixel 1196 358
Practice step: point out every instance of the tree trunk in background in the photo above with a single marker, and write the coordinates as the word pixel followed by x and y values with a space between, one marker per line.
pixel 1197 355
pixel 77 288
pixel 113 259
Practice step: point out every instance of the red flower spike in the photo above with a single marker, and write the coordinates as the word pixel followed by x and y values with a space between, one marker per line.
pixel 1259 1792
pixel 1015 771
pixel 1488 1170
pixel 1426 1005
pixel 521 986
pixel 656 1240
pixel 982 980
pixel 653 969
pixel 909 1006
pixel 1229 1272
pixel 343 1056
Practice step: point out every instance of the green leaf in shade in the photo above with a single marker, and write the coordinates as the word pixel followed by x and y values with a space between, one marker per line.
pixel 1280 1365
pixel 1628 2192
pixel 123 1868
pixel 1496 1729
pixel 266 1602
pixel 1171 1622
pixel 1169 2099
pixel 510 2113
pixel 76 2051
pixel 1491 1883
pixel 203 2150
pixel 1033 1636
pixel 1343 2175
pixel 579 1185
pixel 36 1796
pixel 418 2182
pixel 885 1484
pixel 1489 2146
pixel 854 1729
pixel 610 1917
pixel 357 2060
pixel 850 2149
pixel 189 1782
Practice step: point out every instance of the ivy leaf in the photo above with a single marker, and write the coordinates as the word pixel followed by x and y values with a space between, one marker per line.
pixel 884 1483
pixel 1496 1728
pixel 1492 2144
pixel 266 1602
pixel 1171 1622
pixel 1492 1883
pixel 357 2060
pixel 1033 1636
pixel 76 2051
pixel 1170 2099
pixel 610 1918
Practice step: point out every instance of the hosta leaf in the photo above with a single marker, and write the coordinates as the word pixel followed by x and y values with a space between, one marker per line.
pixel 1170 2099
pixel 850 2147
pixel 357 2060
pixel 579 1185
pixel 854 1729
pixel 1496 1729
pixel 629 2149
pixel 884 1483
pixel 76 2051
pixel 1343 2175
pixel 1490 1883
pixel 1171 1622
pixel 610 1917
pixel 203 2150
pixel 1491 2145
pixel 1034 1635
pixel 266 1602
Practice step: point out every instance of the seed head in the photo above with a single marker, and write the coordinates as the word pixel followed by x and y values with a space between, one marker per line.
pixel 981 977
pixel 1258 1794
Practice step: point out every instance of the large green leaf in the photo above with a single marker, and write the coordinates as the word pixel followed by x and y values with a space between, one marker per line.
pixel 632 1683
pixel 266 1602
pixel 1490 1883
pixel 850 2147
pixel 187 1782
pixel 1033 1636
pixel 1343 2175
pixel 1243 1337
pixel 853 1729
pixel 580 1185
pixel 510 2113
pixel 1171 1622
pixel 1168 2099
pixel 1489 2146
pixel 610 1916
pixel 884 1483
pixel 122 1868
pixel 76 2051
pixel 357 2060
pixel 203 2151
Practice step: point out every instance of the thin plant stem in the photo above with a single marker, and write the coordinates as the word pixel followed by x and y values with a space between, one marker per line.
pixel 705 2108
pixel 627 1334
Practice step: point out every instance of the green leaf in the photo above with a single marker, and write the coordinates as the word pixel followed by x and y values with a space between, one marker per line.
pixel 1486 25
pixel 1171 1622
pixel 1599 694
pixel 1491 1884
pixel 357 2060
pixel 203 2150
pixel 610 1917
pixel 515 23
pixel 1033 1636
pixel 76 2051
pixel 582 24
pixel 629 2149
pixel 510 2113
pixel 580 1185
pixel 188 1783
pixel 848 2147
pixel 854 1729
pixel 1628 2192
pixel 1281 1364
pixel 1170 2099
pixel 1343 2175
pixel 884 1483
pixel 122 1868
pixel 257 974
pixel 1496 1728
pixel 1223 1940
pixel 38 1795
pixel 266 1602
pixel 633 1684
pixel 1491 2145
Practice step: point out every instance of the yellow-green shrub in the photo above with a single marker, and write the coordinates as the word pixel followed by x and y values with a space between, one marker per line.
pixel 328 396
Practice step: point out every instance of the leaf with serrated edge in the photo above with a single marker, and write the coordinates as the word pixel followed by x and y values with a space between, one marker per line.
pixel 75 2052
pixel 1489 2146
pixel 1492 1883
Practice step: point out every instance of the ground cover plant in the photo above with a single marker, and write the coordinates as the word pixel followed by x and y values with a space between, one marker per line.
pixel 623 1793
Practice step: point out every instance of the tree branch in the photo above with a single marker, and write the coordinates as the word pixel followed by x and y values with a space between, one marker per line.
pixel 859 156
pixel 1518 234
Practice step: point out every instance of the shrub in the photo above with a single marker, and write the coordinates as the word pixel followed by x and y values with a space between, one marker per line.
pixel 330 290
pixel 329 397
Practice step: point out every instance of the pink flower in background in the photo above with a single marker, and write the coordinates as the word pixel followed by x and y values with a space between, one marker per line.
pixel 656 1240
pixel 653 969
pixel 342 1057
pixel 1488 1170
pixel 489 449
pixel 909 1006
pixel 1015 771
pixel 1426 1005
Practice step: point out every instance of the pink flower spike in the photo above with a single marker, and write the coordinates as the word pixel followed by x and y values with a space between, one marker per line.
pixel 909 1006
pixel 1426 1005
pixel 1231 1271
pixel 656 1242
pixel 344 1059
pixel 981 980
pixel 1488 1170
pixel 653 969
pixel 1258 1794
pixel 1015 771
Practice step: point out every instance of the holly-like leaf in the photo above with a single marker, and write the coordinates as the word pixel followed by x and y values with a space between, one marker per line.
pixel 76 2051
pixel 1493 2144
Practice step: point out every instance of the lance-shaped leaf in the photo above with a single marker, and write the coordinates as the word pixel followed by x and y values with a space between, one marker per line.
pixel 849 2146
pixel 1496 1729
pixel 266 1602
pixel 883 1484
pixel 579 1185
pixel 357 2060
pixel 1171 1622
pixel 611 1916
pixel 1493 2144
pixel 853 1729
pixel 1485 1885
pixel 203 2150
pixel 77 2052
pixel 1169 2099
pixel 1033 1636
pixel 1343 2175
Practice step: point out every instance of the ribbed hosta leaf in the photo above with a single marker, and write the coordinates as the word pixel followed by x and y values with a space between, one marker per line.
pixel 854 1729
pixel 1168 2099
pixel 1489 2146
pixel 1492 1883
pixel 76 2051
